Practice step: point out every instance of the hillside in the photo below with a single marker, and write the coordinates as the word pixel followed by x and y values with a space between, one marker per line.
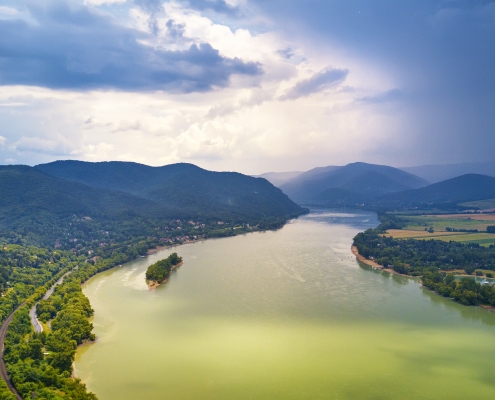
pixel 356 181
pixel 448 193
pixel 128 199
pixel 40 208
pixel 279 178
pixel 183 186
pixel 438 173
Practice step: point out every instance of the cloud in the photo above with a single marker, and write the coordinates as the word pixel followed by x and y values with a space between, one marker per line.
pixel 388 95
pixel 325 79
pixel 100 2
pixel 218 6
pixel 8 10
pixel 72 47
pixel 2 140
pixel 56 146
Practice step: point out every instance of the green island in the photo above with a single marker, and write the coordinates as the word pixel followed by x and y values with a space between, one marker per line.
pixel 158 273
pixel 437 262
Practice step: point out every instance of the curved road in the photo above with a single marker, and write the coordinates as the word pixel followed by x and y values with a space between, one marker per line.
pixel 3 370
pixel 32 312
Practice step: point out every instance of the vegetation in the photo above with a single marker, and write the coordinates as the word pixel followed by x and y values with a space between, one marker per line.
pixel 417 257
pixel 49 211
pixel 465 291
pixel 160 271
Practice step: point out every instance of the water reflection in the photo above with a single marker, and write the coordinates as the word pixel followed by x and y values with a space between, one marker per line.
pixel 471 313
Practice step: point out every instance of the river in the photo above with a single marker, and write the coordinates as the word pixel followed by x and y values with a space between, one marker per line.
pixel 288 314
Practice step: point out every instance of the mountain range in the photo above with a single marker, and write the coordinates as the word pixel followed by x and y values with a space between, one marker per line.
pixel 380 186
pixel 34 200
pixel 356 181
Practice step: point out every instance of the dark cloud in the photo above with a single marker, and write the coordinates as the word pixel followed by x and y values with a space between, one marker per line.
pixel 325 79
pixel 71 47
pixel 441 54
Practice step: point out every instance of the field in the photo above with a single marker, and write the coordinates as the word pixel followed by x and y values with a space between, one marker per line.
pixel 441 222
pixel 420 226
pixel 481 204
pixel 483 239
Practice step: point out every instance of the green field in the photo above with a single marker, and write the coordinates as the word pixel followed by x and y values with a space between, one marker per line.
pixel 483 239
pixel 417 227
pixel 440 223
pixel 480 204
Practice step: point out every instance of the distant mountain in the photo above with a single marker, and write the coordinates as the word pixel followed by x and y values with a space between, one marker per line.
pixel 437 173
pixel 279 178
pixel 182 186
pixel 448 193
pixel 356 181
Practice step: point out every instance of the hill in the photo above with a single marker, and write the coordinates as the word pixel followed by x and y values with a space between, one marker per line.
pixel 41 208
pixel 438 173
pixel 279 178
pixel 448 193
pixel 128 199
pixel 183 186
pixel 357 181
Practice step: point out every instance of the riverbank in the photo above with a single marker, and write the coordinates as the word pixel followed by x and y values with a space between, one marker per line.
pixel 159 248
pixel 374 264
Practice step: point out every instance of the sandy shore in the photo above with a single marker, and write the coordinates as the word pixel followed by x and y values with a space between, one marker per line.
pixel 374 264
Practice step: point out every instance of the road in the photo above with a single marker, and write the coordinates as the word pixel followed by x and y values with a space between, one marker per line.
pixel 37 328
pixel 3 370
pixel 32 312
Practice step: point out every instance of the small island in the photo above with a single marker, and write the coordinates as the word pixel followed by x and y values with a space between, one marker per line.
pixel 158 273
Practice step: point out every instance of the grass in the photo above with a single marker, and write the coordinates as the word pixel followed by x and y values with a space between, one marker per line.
pixel 480 204
pixel 483 239
pixel 417 234
pixel 442 221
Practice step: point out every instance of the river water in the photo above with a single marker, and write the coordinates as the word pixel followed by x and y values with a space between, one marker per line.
pixel 288 314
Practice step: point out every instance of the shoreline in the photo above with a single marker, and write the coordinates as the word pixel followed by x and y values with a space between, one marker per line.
pixel 375 265
pixel 155 250
pixel 152 285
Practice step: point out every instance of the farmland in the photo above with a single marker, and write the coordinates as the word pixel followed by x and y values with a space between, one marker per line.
pixel 447 227
pixel 480 204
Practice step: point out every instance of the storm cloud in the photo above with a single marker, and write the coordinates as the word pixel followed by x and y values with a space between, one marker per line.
pixel 71 47
pixel 325 79
pixel 252 85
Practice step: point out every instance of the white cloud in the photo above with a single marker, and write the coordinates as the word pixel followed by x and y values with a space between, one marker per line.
pixel 101 2
pixel 2 140
pixel 243 126
pixel 8 10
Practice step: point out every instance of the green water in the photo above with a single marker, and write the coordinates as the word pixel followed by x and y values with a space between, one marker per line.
pixel 283 315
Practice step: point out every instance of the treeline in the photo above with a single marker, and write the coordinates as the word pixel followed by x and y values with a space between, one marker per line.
pixel 40 364
pixel 465 291
pixel 416 257
pixel 160 270
pixel 48 375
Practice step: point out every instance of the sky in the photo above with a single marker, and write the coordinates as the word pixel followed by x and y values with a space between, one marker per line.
pixel 248 85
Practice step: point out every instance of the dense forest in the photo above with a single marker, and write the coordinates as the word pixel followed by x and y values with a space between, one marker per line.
pixel 40 364
pixel 465 291
pixel 160 271
pixel 416 257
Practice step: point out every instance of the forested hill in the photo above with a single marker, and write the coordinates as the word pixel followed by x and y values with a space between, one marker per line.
pixel 41 208
pixel 184 186
pixel 449 193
